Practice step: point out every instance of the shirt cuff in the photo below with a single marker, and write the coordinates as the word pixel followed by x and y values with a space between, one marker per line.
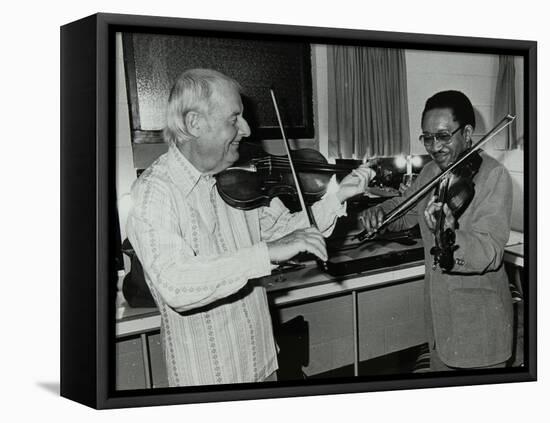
pixel 333 204
pixel 258 257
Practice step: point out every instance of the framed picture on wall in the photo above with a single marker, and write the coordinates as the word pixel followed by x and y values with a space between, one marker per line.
pixel 189 272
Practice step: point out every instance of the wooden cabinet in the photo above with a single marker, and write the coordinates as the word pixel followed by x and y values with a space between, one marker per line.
pixel 340 324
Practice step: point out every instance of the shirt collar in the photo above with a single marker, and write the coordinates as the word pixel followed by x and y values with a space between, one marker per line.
pixel 184 173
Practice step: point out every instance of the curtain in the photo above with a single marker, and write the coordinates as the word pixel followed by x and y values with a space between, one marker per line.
pixel 505 98
pixel 368 112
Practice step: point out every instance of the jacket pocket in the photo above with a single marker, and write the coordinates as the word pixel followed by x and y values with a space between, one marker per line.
pixel 474 282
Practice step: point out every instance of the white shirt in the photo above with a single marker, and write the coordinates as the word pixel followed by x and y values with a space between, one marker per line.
pixel 198 255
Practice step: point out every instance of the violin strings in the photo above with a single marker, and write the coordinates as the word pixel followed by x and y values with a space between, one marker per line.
pixel 302 167
pixel 282 163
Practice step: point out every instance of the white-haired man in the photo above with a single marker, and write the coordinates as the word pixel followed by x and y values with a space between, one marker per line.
pixel 198 253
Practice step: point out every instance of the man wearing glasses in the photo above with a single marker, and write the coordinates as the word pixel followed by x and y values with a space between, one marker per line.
pixel 468 309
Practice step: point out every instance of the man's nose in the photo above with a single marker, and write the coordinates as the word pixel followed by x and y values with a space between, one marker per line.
pixel 435 146
pixel 244 129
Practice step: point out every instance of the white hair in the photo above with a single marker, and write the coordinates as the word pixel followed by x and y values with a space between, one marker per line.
pixel 192 91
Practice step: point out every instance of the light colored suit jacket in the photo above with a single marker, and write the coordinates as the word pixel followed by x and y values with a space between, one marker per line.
pixel 469 310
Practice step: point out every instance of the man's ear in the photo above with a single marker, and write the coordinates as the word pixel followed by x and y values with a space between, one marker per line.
pixel 468 132
pixel 193 122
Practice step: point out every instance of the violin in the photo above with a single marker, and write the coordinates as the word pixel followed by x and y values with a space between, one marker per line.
pixel 456 190
pixel 257 181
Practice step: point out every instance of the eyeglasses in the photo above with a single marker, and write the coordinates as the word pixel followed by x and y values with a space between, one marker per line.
pixel 443 137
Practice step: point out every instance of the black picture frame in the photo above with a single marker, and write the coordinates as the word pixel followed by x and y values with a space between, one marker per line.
pixel 88 243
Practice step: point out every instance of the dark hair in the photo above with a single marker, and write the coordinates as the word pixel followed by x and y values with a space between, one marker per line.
pixel 461 106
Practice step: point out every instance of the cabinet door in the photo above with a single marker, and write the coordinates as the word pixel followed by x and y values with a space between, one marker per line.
pixel 391 319
pixel 137 366
pixel 330 332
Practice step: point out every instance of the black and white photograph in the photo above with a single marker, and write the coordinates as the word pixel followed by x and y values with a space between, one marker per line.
pixel 291 210
pixel 280 212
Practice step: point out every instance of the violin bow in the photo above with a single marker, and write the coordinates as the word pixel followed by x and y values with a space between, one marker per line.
pixel 311 219
pixel 309 214
pixel 418 195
